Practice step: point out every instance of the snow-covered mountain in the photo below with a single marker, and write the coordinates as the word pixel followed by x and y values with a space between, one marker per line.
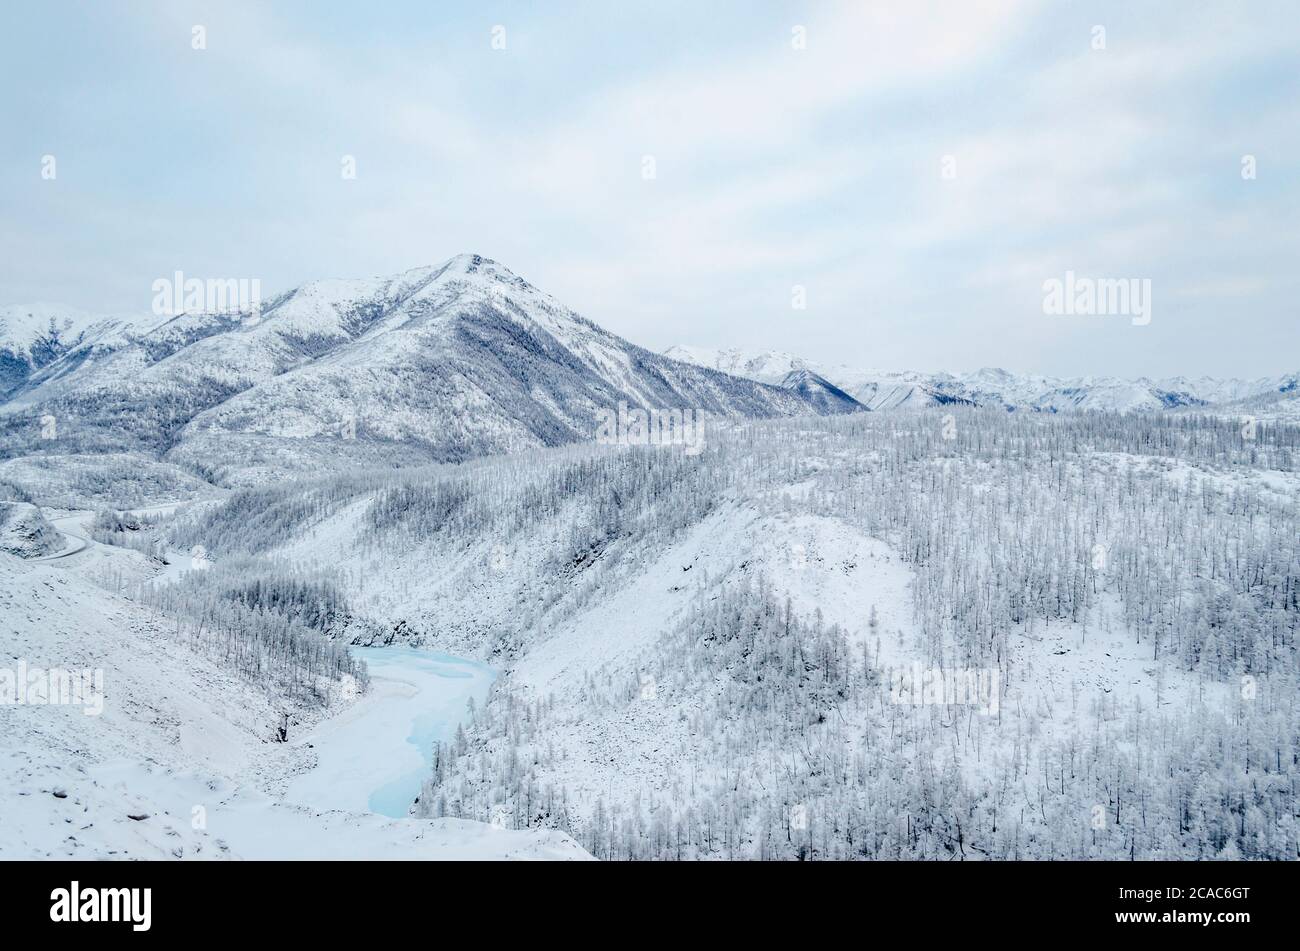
pixel 873 389
pixel 884 389
pixel 33 336
pixel 826 396
pixel 439 363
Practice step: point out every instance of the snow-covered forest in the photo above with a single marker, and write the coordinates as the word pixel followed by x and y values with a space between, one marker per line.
pixel 265 626
pixel 1132 581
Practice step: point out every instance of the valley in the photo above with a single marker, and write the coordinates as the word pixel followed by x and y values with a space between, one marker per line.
pixel 185 761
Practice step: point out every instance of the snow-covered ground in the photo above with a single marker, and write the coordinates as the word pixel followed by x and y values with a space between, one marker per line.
pixel 625 752
pixel 26 533
pixel 182 759
pixel 699 656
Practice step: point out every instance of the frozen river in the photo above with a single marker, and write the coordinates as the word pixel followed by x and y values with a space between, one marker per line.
pixel 374 756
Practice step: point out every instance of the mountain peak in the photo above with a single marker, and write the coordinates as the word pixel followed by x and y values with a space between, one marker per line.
pixel 469 261
pixel 440 363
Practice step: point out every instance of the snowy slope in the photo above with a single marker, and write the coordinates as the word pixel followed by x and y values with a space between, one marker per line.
pixel 33 336
pixel 826 396
pixel 45 331
pixel 446 362
pixel 475 361
pixel 611 589
pixel 25 532
pixel 121 480
pixel 179 760
pixel 639 745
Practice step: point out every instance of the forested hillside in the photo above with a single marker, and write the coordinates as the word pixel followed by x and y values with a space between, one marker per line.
pixel 702 652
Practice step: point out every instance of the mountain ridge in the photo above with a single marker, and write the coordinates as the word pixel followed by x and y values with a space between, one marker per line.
pixel 438 363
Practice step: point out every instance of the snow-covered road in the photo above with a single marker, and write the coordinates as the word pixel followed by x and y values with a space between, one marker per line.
pixel 374 755
pixel 72 527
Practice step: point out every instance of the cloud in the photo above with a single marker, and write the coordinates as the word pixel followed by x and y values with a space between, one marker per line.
pixel 774 166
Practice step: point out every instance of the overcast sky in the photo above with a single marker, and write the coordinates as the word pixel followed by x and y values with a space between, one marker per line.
pixel 774 166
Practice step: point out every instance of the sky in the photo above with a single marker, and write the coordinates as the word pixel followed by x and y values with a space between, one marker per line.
pixel 878 184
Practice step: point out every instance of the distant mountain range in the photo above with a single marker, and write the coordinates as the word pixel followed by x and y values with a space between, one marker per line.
pixel 884 390
pixel 440 363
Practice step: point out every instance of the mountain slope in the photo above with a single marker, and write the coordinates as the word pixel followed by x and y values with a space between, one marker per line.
pixel 25 532
pixel 33 336
pixel 826 396
pixel 437 364
pixel 873 389
pixel 691 638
